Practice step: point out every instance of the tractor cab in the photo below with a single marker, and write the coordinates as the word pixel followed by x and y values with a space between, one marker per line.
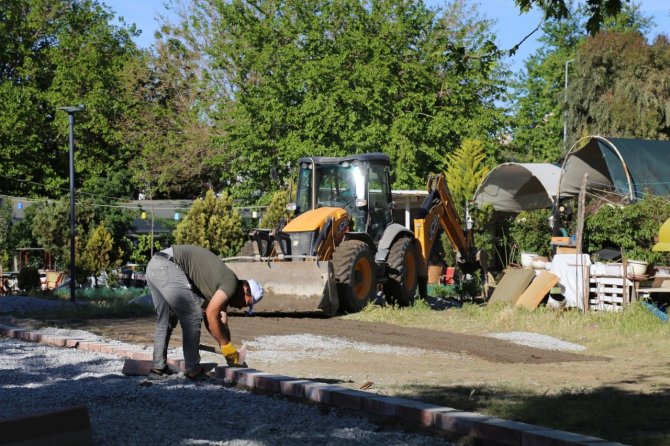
pixel 358 184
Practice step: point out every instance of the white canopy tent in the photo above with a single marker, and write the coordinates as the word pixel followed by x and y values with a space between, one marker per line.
pixel 514 187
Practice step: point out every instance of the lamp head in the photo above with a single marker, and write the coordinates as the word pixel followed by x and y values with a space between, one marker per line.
pixel 72 108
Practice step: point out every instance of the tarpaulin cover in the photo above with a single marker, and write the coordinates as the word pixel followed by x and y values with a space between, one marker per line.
pixel 514 187
pixel 629 167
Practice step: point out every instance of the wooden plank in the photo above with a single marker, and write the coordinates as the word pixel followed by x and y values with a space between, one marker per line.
pixel 512 285
pixel 540 287
pixel 580 214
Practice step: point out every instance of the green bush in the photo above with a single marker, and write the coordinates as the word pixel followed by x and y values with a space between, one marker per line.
pixel 29 278
pixel 531 232
pixel 631 228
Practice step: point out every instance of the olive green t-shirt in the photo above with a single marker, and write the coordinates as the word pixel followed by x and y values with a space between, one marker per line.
pixel 205 270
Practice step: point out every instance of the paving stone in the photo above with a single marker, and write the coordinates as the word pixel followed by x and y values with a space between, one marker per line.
pixel 55 341
pixel 30 336
pixel 269 383
pixel 384 406
pixel 14 332
pixel 142 355
pixel 349 398
pixel 456 422
pixel 500 431
pixel 417 413
pixel 320 392
pixel 295 387
pixel 69 426
pixel 136 367
pixel 108 348
pixel 248 379
pixel 73 343
pixel 232 374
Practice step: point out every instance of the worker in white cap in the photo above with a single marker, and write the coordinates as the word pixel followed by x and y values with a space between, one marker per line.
pixel 190 284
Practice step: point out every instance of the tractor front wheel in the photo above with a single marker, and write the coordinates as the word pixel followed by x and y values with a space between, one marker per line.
pixel 354 268
pixel 403 262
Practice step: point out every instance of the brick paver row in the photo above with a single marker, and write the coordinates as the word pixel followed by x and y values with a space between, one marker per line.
pixel 450 421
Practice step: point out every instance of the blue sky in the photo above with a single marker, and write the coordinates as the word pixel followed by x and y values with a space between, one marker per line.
pixel 511 26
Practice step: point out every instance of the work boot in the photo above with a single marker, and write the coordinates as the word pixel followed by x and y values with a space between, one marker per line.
pixel 160 374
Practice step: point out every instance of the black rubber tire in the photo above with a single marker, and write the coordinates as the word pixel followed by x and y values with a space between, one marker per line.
pixel 403 263
pixel 354 269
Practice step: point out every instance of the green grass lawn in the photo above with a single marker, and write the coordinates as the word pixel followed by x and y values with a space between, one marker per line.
pixel 637 418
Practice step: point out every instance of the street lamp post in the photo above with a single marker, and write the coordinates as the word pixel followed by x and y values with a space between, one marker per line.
pixel 565 112
pixel 70 112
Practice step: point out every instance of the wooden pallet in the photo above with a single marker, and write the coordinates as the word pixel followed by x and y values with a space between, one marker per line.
pixel 609 294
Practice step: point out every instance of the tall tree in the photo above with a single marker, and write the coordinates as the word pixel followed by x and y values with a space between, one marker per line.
pixel 165 122
pixel 621 87
pixel 597 12
pixel 56 53
pixel 539 97
pixel 321 77
pixel 213 224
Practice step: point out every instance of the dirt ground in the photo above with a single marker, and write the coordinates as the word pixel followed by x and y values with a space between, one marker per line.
pixel 428 357
pixel 444 368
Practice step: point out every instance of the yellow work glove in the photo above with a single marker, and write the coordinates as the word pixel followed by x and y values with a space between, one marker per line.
pixel 230 353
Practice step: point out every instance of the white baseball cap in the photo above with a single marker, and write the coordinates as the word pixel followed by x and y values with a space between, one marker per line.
pixel 256 290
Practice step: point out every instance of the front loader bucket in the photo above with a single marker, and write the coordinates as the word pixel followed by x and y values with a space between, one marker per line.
pixel 301 286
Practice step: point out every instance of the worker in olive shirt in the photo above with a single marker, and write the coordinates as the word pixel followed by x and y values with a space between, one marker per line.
pixel 187 281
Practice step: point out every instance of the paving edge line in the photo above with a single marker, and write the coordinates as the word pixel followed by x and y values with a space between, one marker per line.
pixel 485 429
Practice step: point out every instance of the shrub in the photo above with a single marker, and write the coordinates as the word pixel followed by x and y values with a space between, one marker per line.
pixel 631 228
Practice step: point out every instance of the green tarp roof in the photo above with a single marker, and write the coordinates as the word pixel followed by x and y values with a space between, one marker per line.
pixel 629 167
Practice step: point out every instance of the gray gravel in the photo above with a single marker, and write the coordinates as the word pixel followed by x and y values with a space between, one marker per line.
pixel 126 410
pixel 538 340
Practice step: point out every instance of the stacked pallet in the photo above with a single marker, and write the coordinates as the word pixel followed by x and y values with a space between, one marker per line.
pixel 610 293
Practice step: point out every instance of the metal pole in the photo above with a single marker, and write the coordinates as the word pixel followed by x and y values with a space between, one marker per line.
pixel 72 250
pixel 565 112
pixel 70 112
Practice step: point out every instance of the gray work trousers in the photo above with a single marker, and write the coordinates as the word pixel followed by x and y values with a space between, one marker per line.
pixel 174 300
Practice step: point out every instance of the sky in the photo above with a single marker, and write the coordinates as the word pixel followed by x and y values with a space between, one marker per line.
pixel 511 26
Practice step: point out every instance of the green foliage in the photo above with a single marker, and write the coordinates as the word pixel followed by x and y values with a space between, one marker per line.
pixel 100 253
pixel 539 108
pixel 50 226
pixel 213 224
pixel 465 171
pixel 5 232
pixel 300 77
pixel 28 278
pixel 619 87
pixel 538 96
pixel 141 251
pixel 531 233
pixel 276 211
pixel 598 10
pixel 631 228
pixel 165 122
pixel 57 53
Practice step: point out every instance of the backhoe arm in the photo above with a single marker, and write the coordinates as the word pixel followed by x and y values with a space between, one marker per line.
pixel 438 210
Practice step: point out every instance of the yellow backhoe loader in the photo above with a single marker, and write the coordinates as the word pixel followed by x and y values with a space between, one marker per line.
pixel 342 248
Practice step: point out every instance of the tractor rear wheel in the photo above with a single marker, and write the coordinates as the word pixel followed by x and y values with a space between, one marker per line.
pixel 354 269
pixel 403 262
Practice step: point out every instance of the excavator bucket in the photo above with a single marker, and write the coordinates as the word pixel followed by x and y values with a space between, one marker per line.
pixel 299 286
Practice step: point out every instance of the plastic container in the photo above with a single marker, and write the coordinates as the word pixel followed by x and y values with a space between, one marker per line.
pixel 527 259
